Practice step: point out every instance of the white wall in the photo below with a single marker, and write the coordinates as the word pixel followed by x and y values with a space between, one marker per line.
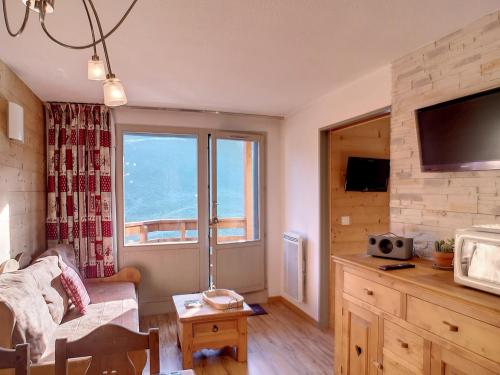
pixel 300 147
pixel 273 128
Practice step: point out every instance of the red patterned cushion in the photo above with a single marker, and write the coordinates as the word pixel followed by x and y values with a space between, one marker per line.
pixel 75 289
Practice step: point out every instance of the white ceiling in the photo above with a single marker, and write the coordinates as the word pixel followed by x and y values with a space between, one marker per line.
pixel 255 56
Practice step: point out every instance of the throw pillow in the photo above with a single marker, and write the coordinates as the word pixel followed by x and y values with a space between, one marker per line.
pixel 77 292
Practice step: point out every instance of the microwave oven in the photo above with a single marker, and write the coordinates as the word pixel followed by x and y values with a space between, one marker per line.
pixel 477 258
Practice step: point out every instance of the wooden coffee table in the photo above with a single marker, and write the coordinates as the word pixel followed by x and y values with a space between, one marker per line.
pixel 208 328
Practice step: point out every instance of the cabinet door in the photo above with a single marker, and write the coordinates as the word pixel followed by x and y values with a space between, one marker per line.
pixel 445 362
pixel 392 366
pixel 359 340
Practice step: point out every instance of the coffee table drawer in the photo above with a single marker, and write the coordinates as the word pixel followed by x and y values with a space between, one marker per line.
pixel 215 328
pixel 477 336
pixel 375 294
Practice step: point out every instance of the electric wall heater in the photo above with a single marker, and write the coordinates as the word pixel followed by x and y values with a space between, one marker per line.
pixel 294 273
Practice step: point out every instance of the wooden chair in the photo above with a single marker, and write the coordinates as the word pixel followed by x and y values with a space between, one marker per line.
pixel 18 359
pixel 108 346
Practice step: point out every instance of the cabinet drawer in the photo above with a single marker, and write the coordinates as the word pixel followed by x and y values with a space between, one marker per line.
pixel 405 345
pixel 393 367
pixel 215 328
pixel 375 294
pixel 472 334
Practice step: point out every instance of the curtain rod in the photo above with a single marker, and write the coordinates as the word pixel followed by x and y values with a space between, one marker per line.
pixel 201 111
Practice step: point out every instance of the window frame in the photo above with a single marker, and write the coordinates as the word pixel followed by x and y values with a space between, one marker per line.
pixel 200 135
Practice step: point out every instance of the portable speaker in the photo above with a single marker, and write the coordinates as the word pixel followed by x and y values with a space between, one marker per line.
pixel 390 246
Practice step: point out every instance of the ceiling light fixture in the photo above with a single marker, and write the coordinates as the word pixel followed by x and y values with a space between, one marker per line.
pixel 114 94
pixel 97 70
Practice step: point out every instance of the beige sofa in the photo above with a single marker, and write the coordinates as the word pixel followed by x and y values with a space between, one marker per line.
pixel 34 308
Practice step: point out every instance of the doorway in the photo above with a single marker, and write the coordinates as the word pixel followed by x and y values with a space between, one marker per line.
pixel 236 242
pixel 348 217
pixel 190 210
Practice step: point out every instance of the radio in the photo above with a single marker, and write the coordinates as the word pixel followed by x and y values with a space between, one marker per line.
pixel 390 246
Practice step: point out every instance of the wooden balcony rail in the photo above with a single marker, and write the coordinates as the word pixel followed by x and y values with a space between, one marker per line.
pixel 143 228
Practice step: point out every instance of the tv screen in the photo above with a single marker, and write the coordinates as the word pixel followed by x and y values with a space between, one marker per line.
pixel 461 134
pixel 367 174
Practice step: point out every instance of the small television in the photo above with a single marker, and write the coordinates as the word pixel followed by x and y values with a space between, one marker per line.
pixel 461 134
pixel 366 174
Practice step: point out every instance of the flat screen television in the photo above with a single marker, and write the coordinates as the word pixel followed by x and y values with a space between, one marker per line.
pixel 366 174
pixel 461 134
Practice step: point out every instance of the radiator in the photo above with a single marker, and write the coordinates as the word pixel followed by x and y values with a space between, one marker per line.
pixel 294 263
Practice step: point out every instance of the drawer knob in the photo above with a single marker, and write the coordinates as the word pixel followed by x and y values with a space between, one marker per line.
pixel 215 328
pixel 403 344
pixel 368 292
pixel 378 365
pixel 451 327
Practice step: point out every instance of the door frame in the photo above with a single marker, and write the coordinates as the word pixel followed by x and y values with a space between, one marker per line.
pixel 241 136
pixel 325 281
pixel 203 168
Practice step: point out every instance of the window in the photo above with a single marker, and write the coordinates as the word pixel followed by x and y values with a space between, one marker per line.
pixel 160 188
pixel 237 191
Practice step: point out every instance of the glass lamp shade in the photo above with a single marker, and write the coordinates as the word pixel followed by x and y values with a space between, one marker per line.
pixel 95 70
pixel 36 4
pixel 114 94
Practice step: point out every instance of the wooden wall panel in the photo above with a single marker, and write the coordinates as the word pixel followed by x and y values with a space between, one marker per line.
pixel 368 212
pixel 429 206
pixel 22 172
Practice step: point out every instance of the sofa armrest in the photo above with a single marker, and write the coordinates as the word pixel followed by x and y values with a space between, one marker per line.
pixel 130 274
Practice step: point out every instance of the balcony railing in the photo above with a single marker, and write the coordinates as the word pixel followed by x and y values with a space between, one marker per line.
pixel 163 230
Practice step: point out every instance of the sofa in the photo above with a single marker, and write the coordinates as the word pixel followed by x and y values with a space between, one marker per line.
pixel 35 308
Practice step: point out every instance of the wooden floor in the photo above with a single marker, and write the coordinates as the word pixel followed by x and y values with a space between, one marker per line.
pixel 280 342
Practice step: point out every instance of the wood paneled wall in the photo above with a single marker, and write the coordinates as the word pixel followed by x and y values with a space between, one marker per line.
pixel 429 206
pixel 22 172
pixel 368 212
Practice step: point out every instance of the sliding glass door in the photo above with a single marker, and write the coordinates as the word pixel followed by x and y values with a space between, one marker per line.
pixel 189 209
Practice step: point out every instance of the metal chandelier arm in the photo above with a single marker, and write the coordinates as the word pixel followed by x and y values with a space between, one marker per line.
pixel 103 39
pixel 94 43
pixel 91 26
pixel 23 25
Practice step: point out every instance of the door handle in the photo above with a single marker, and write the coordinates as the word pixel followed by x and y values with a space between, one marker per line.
pixel 214 221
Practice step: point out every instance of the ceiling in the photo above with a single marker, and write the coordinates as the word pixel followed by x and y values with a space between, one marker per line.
pixel 254 56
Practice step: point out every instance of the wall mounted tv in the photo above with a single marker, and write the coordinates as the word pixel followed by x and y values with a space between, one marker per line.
pixel 461 134
pixel 366 174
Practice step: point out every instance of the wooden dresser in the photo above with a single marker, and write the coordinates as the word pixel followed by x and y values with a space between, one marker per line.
pixel 412 321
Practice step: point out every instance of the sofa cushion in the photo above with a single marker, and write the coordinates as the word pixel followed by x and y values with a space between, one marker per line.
pixel 47 274
pixel 19 291
pixel 67 257
pixel 73 285
pixel 110 302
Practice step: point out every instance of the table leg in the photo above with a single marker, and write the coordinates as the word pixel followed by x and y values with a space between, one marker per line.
pixel 187 360
pixel 186 345
pixel 242 340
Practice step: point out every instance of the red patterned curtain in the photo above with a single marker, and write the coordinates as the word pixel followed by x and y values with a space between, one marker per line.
pixel 79 202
